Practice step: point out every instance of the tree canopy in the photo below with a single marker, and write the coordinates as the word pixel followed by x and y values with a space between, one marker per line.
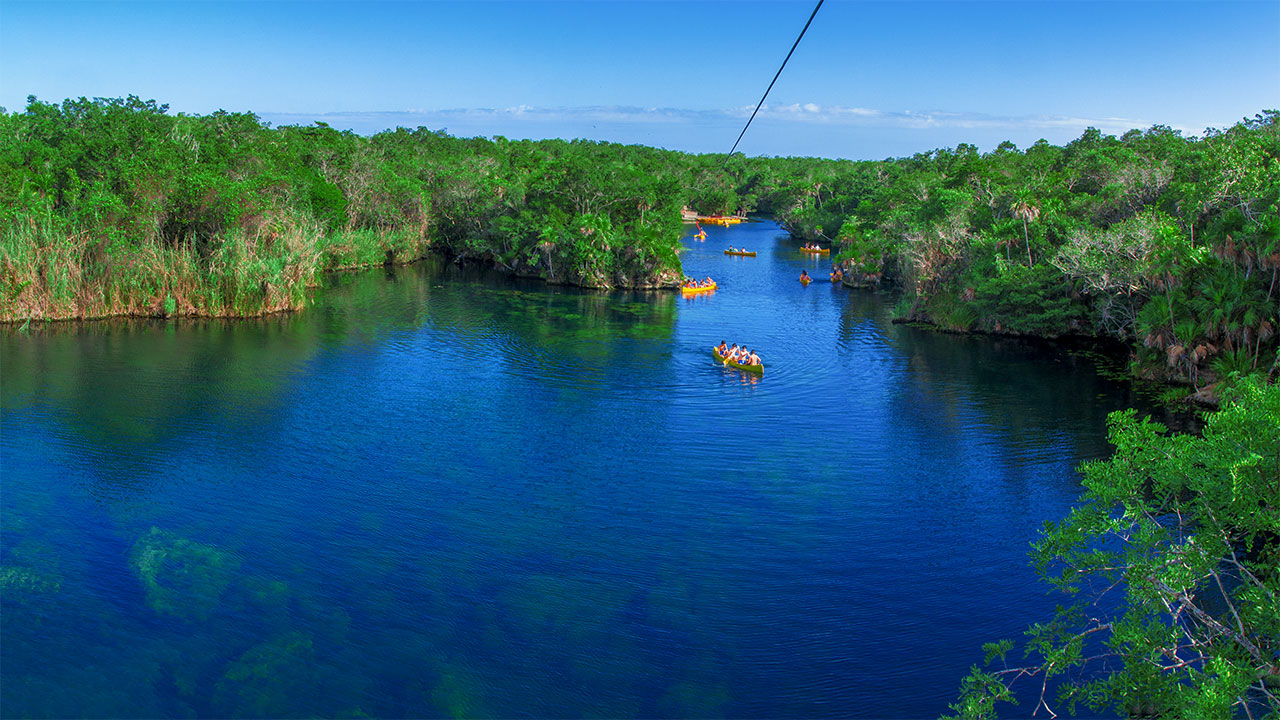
pixel 1185 530
pixel 1169 243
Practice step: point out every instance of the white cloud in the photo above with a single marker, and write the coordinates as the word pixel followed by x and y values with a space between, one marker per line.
pixel 777 128
pixel 796 112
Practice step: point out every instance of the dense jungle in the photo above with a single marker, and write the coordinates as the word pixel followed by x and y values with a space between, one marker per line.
pixel 218 235
pixel 1168 243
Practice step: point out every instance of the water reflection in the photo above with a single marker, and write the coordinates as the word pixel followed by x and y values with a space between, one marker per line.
pixel 440 492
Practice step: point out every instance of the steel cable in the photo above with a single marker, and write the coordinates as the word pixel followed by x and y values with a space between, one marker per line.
pixel 775 77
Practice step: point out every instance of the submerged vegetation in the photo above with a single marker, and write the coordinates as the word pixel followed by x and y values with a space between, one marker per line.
pixel 115 207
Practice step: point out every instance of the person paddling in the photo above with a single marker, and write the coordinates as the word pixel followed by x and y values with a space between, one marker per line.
pixel 804 276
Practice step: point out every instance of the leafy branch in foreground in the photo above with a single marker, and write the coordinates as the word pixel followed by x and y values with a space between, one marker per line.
pixel 1172 565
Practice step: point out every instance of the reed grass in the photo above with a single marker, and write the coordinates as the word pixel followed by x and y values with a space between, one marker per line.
pixel 361 248
pixel 51 271
pixel 949 312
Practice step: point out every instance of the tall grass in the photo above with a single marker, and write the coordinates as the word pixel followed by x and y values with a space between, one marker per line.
pixel 41 268
pixel 51 271
pixel 949 312
pixel 361 248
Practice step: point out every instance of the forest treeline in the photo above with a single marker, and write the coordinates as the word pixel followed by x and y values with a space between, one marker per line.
pixel 113 206
pixel 1171 243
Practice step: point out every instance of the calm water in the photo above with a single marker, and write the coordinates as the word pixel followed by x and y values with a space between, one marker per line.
pixel 440 492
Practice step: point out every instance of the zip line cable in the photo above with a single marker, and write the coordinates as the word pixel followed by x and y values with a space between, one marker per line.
pixel 775 78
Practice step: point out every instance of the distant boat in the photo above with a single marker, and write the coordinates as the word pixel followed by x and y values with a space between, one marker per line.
pixel 725 220
pixel 745 253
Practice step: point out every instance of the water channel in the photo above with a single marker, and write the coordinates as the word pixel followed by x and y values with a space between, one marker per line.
pixel 441 492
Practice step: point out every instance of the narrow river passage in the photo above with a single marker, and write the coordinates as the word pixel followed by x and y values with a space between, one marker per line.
pixel 439 492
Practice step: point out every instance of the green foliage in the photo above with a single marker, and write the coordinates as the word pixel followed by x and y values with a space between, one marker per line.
pixel 951 313
pixel 113 206
pixel 1187 530
pixel 1028 300
pixel 327 203
pixel 1087 236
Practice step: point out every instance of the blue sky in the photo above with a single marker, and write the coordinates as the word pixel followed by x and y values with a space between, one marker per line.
pixel 870 79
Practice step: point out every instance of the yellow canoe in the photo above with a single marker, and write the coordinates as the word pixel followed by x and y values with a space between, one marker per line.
pixel 715 351
pixel 743 253
pixel 819 251
pixel 805 280
pixel 696 290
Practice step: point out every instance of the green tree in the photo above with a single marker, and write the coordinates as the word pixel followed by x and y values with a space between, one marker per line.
pixel 1186 530
pixel 1024 209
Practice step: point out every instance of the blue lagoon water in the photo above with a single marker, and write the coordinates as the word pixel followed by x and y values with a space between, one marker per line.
pixel 440 492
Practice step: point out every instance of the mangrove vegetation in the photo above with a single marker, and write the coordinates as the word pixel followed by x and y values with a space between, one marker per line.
pixel 1171 570
pixel 1168 243
pixel 108 207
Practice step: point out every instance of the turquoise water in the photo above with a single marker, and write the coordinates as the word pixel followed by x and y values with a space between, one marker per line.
pixel 442 492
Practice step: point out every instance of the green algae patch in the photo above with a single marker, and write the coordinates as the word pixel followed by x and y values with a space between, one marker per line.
pixel 561 634
pixel 21 580
pixel 271 679
pixel 693 699
pixel 182 578
pixel 266 593
pixel 460 695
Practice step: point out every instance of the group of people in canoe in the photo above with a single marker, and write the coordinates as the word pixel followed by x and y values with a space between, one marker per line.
pixel 740 355
pixel 812 247
pixel 692 283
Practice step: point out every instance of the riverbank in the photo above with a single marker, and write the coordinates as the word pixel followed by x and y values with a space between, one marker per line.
pixel 1171 244
pixel 52 275
pixel 59 278
pixel 222 215
pixel 1168 387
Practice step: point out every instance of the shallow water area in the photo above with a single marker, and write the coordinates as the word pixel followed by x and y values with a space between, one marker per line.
pixel 443 492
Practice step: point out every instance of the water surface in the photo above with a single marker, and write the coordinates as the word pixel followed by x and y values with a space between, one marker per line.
pixel 442 492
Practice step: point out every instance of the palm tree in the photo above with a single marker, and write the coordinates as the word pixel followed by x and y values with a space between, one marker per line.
pixel 1022 208
pixel 1221 305
pixel 1258 320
